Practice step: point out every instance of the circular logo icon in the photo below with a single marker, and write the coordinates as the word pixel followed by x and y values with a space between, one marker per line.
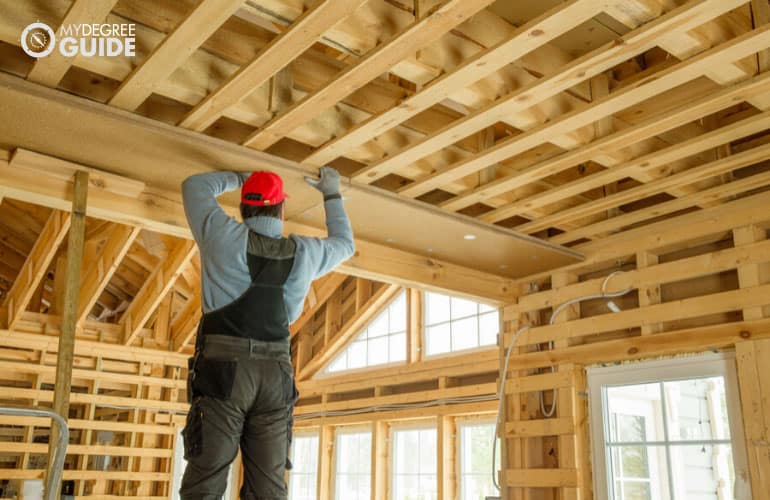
pixel 38 40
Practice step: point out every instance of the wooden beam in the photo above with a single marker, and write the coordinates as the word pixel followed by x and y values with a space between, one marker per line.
pixel 751 275
pixel 50 70
pixel 538 91
pixel 301 35
pixel 325 458
pixel 64 359
pixel 644 130
pixel 687 177
pixel 380 455
pixel 347 332
pixel 100 271
pixel 737 48
pixel 415 333
pixel 173 51
pixel 39 259
pixel 523 40
pixel 721 192
pixel 374 64
pixel 29 178
pixel 160 281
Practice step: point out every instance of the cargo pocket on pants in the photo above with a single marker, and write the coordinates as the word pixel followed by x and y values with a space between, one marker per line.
pixel 192 435
pixel 214 378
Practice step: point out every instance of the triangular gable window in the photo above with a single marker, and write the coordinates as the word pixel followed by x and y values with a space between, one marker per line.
pixel 382 341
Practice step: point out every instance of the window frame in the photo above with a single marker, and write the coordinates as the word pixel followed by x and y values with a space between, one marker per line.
pixel 339 431
pixel 469 421
pixel 315 433
pixel 423 324
pixel 657 371
pixel 410 426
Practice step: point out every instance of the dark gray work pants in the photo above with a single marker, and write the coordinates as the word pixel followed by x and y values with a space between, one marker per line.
pixel 243 395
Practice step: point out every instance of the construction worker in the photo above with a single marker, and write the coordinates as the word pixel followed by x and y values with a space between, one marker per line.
pixel 254 283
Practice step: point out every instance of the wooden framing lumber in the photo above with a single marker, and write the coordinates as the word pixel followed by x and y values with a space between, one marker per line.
pixel 303 32
pixel 50 70
pixel 155 289
pixel 579 70
pixel 185 325
pixel 375 63
pixel 648 162
pixel 372 260
pixel 36 265
pixel 98 274
pixel 324 291
pixel 547 27
pixel 64 360
pixel 340 339
pixel 646 88
pixel 202 21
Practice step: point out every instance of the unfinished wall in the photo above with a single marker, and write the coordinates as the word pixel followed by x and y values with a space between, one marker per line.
pixel 702 283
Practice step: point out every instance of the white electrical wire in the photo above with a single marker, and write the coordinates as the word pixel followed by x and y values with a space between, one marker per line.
pixel 552 410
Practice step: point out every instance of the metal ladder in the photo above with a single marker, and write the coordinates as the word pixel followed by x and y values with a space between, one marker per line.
pixel 60 449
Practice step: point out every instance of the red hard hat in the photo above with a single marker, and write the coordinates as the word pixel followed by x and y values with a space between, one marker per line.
pixel 263 188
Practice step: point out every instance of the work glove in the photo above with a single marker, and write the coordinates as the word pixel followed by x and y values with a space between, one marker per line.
pixel 328 183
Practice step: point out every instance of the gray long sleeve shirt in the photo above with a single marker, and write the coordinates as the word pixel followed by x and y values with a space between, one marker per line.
pixel 222 242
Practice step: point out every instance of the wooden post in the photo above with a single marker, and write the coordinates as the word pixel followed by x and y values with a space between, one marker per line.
pixel 64 359
pixel 380 439
pixel 325 457
pixel 414 328
pixel 447 477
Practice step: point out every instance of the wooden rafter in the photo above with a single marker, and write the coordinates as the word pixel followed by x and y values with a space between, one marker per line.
pixel 185 325
pixel 160 281
pixel 375 63
pixel 172 52
pixel 647 88
pixel 36 265
pixel 101 269
pixel 305 31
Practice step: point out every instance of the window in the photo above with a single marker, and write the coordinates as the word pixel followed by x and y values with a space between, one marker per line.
pixel 304 474
pixel 453 324
pixel 382 341
pixel 414 464
pixel 667 430
pixel 353 470
pixel 476 460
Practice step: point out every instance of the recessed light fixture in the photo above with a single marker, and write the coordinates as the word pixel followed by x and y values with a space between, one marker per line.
pixel 469 237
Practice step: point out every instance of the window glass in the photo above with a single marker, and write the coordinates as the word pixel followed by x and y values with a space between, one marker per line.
pixel 455 324
pixel 304 474
pixel 668 440
pixel 414 467
pixel 353 465
pixel 382 341
pixel 476 461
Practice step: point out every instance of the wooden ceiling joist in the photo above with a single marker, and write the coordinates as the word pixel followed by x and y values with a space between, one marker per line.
pixel 173 51
pixel 686 113
pixel 50 70
pixel 646 88
pixel 36 265
pixel 302 33
pixel 160 281
pixel 525 39
pixel 649 162
pixel 374 64
pixel 686 17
